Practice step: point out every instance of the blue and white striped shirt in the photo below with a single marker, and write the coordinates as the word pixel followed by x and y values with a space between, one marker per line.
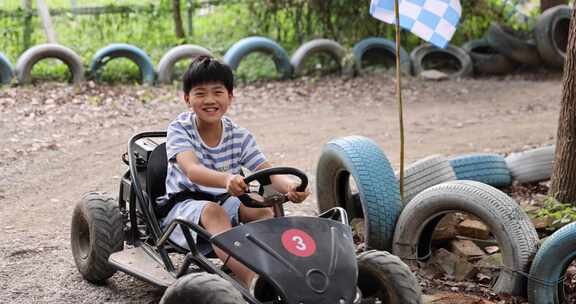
pixel 237 148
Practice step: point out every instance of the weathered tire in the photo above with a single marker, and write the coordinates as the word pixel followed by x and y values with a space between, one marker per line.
pixel 505 41
pixel 96 232
pixel 532 165
pixel 360 158
pixel 549 266
pixel 201 288
pixel 6 70
pixel 425 173
pixel 486 168
pixel 509 224
pixel 187 51
pixel 551 34
pixel 486 59
pixel 451 54
pixel 259 44
pixel 31 56
pixel 122 50
pixel 387 47
pixel 384 276
pixel 310 48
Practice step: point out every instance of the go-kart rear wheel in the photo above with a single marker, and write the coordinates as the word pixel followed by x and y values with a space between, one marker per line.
pixel 96 232
pixel 385 278
pixel 201 288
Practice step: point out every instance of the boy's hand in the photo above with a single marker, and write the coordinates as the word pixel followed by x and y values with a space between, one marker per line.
pixel 297 197
pixel 235 185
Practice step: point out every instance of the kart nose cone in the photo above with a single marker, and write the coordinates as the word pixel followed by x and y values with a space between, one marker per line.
pixel 317 280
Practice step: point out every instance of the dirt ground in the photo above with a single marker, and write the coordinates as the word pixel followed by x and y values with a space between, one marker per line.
pixel 58 142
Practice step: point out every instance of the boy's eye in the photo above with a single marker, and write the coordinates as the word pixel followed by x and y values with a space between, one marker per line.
pixel 199 94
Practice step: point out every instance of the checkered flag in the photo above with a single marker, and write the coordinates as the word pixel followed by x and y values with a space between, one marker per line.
pixel 432 20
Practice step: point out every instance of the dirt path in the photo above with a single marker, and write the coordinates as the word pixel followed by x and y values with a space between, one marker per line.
pixel 59 142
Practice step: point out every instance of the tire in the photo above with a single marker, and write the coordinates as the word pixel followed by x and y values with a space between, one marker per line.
pixel 486 59
pixel 201 288
pixel 360 158
pixel 551 32
pixel 423 53
pixel 31 56
pixel 310 48
pixel 549 266
pixel 505 41
pixel 533 165
pixel 259 44
pixel 425 173
pixel 187 51
pixel 490 169
pixel 383 275
pixel 96 232
pixel 387 47
pixel 121 50
pixel 509 224
pixel 6 70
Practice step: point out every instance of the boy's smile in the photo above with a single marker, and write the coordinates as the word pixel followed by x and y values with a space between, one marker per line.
pixel 209 101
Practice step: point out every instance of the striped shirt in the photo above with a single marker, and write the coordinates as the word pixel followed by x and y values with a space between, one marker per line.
pixel 237 148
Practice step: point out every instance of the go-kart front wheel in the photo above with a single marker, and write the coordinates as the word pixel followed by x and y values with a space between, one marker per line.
pixel 96 232
pixel 384 278
pixel 201 288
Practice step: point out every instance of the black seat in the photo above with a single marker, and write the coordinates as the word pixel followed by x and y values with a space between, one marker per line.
pixel 156 174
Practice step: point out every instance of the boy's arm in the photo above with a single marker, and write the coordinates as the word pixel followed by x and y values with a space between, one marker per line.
pixel 197 173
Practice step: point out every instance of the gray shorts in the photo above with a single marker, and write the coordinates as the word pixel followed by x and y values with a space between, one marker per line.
pixel 190 211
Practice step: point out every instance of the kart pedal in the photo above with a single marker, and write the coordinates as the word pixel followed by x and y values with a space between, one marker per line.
pixel 138 263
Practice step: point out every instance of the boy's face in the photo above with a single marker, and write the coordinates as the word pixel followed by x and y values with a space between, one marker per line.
pixel 209 101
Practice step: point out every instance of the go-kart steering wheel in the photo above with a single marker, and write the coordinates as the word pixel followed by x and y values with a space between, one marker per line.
pixel 269 196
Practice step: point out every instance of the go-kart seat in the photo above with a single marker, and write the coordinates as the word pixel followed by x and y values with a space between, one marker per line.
pixel 156 174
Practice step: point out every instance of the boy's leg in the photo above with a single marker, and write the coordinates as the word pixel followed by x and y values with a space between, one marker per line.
pixel 215 220
pixel 248 214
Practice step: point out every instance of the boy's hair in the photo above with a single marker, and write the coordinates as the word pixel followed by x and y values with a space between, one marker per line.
pixel 204 69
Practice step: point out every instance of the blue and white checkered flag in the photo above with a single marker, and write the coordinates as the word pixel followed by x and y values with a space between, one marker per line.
pixel 432 20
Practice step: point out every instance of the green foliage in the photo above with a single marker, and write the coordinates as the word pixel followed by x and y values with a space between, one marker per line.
pixel 149 25
pixel 562 214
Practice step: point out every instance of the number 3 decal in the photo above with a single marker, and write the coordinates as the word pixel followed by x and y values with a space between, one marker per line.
pixel 298 242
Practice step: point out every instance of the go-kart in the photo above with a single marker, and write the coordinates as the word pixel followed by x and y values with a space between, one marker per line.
pixel 297 259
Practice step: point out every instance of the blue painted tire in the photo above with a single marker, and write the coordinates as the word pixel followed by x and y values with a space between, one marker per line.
pixel 549 266
pixel 486 168
pixel 259 44
pixel 6 70
pixel 378 198
pixel 387 47
pixel 135 54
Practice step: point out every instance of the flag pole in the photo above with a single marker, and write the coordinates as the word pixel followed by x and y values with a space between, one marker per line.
pixel 399 97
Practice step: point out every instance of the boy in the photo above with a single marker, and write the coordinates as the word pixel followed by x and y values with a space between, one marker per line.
pixel 206 151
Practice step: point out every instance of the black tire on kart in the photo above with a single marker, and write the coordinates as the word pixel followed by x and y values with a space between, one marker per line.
pixel 201 288
pixel 385 276
pixel 508 42
pixel 551 33
pixel 486 59
pixel 510 225
pixel 361 160
pixel 549 267
pixel 447 57
pixel 96 232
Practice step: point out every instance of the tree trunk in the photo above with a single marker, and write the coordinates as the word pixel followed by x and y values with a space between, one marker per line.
pixel 563 186
pixel 179 29
pixel 546 4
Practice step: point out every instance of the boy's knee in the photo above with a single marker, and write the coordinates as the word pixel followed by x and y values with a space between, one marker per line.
pixel 214 215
